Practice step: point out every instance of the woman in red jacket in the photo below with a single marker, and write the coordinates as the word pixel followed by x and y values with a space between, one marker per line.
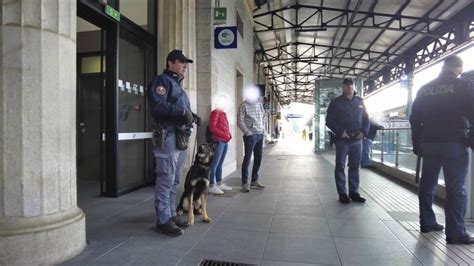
pixel 219 127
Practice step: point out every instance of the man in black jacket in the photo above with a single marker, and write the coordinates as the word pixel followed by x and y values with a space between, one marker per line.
pixel 348 119
pixel 367 143
pixel 439 122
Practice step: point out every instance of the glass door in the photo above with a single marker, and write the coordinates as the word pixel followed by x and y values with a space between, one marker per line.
pixel 135 68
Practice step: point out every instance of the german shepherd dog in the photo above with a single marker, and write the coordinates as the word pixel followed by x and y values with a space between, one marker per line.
pixel 196 185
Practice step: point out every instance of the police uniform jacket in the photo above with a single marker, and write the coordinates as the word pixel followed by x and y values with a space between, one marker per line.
pixel 350 115
pixel 442 109
pixel 373 127
pixel 168 100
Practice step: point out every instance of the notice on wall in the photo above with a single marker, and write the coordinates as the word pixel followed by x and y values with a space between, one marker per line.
pixel 225 37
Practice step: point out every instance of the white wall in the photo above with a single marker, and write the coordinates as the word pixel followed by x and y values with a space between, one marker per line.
pixel 217 68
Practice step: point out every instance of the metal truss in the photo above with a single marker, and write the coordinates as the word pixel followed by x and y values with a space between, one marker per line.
pixel 315 52
pixel 365 19
pixel 292 68
pixel 455 32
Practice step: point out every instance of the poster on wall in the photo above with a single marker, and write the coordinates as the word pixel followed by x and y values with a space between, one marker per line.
pixel 225 37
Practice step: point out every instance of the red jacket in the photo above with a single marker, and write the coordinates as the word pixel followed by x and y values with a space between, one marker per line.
pixel 219 126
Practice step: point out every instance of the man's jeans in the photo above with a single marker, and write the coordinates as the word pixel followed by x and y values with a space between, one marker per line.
pixel 353 150
pixel 366 147
pixel 169 163
pixel 253 143
pixel 217 161
pixel 454 159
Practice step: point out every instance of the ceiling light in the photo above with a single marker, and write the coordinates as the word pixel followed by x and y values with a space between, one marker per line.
pixel 310 29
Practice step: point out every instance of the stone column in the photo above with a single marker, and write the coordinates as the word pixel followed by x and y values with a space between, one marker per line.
pixel 177 30
pixel 40 222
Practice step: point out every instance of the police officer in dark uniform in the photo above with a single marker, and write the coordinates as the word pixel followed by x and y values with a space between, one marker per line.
pixel 439 123
pixel 171 112
pixel 348 120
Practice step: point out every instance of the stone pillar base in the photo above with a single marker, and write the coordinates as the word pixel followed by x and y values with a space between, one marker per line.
pixel 43 240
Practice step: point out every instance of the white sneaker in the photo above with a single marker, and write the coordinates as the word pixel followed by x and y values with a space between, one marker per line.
pixel 215 190
pixel 224 187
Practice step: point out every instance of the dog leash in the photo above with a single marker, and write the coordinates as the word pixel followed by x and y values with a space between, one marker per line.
pixel 195 145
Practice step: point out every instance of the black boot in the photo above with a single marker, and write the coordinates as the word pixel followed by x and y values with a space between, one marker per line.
pixel 344 198
pixel 181 224
pixel 465 240
pixel 169 229
pixel 356 197
pixel 431 228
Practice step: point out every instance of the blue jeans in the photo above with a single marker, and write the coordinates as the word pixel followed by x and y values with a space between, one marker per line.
pixel 454 159
pixel 253 143
pixel 217 161
pixel 353 150
pixel 169 163
pixel 366 147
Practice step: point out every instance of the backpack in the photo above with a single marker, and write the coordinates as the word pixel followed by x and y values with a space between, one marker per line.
pixel 208 135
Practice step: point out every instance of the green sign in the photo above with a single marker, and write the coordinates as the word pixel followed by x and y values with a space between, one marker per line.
pixel 112 13
pixel 220 15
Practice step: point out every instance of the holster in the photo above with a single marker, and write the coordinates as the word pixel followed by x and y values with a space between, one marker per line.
pixel 159 135
pixel 182 138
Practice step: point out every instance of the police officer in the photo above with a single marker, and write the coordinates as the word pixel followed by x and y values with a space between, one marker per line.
pixel 348 120
pixel 171 112
pixel 439 123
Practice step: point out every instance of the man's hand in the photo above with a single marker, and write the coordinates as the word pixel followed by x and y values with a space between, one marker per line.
pixel 197 120
pixel 188 117
pixel 359 135
pixel 344 135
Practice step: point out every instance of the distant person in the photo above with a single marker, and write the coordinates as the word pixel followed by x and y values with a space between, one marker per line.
pixel 277 132
pixel 303 134
pixel 367 143
pixel 251 120
pixel 219 127
pixel 310 135
pixel 439 123
pixel 348 120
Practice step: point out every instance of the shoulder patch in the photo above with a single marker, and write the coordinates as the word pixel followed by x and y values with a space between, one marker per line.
pixel 160 90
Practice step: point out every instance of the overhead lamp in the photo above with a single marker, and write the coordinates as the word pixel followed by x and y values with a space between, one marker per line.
pixel 310 29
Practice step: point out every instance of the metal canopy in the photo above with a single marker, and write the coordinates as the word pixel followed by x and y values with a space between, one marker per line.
pixel 301 41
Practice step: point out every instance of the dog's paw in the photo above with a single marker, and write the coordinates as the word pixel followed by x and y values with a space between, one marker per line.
pixel 206 219
pixel 180 212
pixel 191 222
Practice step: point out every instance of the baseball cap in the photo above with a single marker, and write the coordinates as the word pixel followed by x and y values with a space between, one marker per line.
pixel 177 55
pixel 454 61
pixel 348 81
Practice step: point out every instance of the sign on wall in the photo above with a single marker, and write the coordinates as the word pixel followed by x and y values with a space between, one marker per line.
pixel 220 15
pixel 225 37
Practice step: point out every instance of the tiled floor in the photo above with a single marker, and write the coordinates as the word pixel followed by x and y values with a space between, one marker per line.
pixel 296 220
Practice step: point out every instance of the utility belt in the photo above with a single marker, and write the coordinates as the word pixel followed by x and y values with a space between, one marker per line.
pixel 160 130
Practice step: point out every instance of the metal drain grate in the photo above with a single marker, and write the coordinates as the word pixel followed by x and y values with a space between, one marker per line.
pixel 223 263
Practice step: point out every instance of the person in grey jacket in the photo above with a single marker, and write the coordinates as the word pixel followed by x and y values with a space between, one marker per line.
pixel 251 120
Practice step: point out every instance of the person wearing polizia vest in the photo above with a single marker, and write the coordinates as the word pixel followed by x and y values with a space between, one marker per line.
pixel 219 127
pixel 440 118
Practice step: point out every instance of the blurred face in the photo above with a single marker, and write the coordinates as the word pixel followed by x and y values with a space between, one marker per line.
pixel 348 90
pixel 222 103
pixel 178 67
pixel 251 94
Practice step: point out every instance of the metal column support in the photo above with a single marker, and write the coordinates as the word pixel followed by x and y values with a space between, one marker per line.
pixel 469 184
pixel 397 146
pixel 381 148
